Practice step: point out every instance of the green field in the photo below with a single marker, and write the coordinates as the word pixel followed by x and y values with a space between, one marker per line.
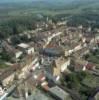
pixel 17 10
pixel 24 16
pixel 3 65
pixel 91 81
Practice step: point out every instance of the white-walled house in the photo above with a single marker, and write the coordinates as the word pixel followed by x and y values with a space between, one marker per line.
pixel 61 65
pixel 65 65
pixel 26 48
pixel 30 50
pixel 18 54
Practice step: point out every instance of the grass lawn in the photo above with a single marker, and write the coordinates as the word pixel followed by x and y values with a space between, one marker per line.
pixel 3 65
pixel 94 58
pixel 91 81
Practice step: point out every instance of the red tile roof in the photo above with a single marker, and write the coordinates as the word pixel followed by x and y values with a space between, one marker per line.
pixel 90 66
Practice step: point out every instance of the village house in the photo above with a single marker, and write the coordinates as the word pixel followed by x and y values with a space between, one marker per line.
pixel 61 23
pixel 62 63
pixel 26 48
pixel 59 65
pixel 71 48
pixel 97 40
pixel 17 53
pixel 80 65
pixel 1 91
pixel 45 86
pixel 59 93
pixel 55 91
pixel 77 64
pixel 90 66
pixel 29 63
pixel 8 75
pixel 68 51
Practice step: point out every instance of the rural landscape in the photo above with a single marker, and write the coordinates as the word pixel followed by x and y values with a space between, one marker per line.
pixel 49 50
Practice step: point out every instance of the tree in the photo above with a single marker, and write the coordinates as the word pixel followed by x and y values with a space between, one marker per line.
pixel 2 35
pixel 5 56
pixel 24 38
pixel 15 40
pixel 81 75
pixel 15 29
pixel 72 81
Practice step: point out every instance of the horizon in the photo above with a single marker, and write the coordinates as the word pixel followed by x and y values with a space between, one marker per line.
pixel 4 1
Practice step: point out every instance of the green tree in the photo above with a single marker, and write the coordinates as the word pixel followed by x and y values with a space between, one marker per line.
pixel 15 29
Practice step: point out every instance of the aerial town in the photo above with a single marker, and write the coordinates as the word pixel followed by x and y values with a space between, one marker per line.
pixel 43 64
pixel 49 49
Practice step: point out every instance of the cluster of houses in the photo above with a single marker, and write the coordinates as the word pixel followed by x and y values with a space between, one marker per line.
pixel 47 56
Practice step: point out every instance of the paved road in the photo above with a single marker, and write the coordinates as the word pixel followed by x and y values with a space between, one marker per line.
pixel 94 92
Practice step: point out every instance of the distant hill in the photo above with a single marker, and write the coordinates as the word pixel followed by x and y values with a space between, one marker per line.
pixel 24 12
pixel 51 1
